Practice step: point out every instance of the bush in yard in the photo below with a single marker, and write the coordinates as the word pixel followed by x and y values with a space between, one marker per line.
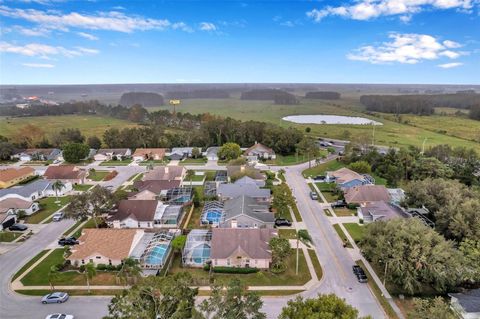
pixel 352 206
pixel 229 151
pixel 110 176
pixel 101 267
pixel 75 152
pixel 234 270
pixel 81 268
pixel 206 267
pixel 361 167
pixel 303 235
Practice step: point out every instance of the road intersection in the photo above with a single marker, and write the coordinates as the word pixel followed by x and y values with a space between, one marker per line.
pixel 335 260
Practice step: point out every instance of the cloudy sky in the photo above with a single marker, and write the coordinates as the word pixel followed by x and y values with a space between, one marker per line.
pixel 364 41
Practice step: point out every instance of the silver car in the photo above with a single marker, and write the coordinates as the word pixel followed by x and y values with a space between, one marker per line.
pixel 58 216
pixel 55 297
pixel 59 316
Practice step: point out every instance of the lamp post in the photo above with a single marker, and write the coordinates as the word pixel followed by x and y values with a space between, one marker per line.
pixel 296 265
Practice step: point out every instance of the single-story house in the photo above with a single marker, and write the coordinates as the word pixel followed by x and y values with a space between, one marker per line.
pixel 260 151
pixel 105 246
pixel 179 153
pixel 235 172
pixel 143 154
pixel 366 193
pixel 13 176
pixel 14 205
pixel 141 214
pixel 7 219
pixel 152 189
pixel 212 153
pixel 166 173
pixel 230 191
pixel 29 192
pixel 248 180
pixel 466 305
pixel 246 212
pixel 241 247
pixel 38 154
pixel 108 154
pixel 373 211
pixel 346 178
pixel 66 173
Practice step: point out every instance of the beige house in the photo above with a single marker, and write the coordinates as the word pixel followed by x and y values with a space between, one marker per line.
pixel 105 246
pixel 142 154
pixel 260 151
pixel 166 173
pixel 364 194
pixel 66 173
pixel 241 247
pixel 13 176
pixel 15 205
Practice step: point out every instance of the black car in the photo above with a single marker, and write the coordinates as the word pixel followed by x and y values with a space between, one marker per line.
pixel 339 204
pixel 70 241
pixel 360 273
pixel 282 222
pixel 19 227
pixel 357 269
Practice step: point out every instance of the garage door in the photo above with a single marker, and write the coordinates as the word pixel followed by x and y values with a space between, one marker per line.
pixel 8 223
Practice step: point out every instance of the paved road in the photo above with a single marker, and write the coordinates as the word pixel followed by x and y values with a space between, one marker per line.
pixel 336 262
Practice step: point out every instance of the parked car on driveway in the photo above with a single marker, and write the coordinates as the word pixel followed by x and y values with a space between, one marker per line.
pixel 282 222
pixel 55 297
pixel 339 204
pixel 68 241
pixel 313 195
pixel 59 316
pixel 19 227
pixel 58 216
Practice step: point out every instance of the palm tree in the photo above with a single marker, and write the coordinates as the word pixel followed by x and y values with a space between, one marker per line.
pixel 57 186
pixel 130 269
pixel 52 275
pixel 90 272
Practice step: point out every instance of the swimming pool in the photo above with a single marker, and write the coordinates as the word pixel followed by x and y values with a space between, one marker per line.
pixel 157 255
pixel 212 217
pixel 201 253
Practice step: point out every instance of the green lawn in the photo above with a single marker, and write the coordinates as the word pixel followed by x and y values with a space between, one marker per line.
pixel 29 264
pixel 8 236
pixel 262 278
pixel 321 169
pixel 82 187
pixel 194 161
pixel 68 231
pixel 89 125
pixel 47 207
pixel 345 212
pixel 316 263
pixel 342 235
pixel 355 230
pixel 287 233
pixel 39 274
pixel 116 163
pixel 97 176
pixel 195 178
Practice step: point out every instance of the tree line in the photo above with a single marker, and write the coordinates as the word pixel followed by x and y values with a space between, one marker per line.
pixel 422 104
pixel 275 95
pixel 198 94
pixel 144 99
pixel 323 95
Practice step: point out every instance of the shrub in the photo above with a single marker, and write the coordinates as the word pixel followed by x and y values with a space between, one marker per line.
pixel 101 267
pixel 81 268
pixel 206 267
pixel 304 235
pixel 352 206
pixel 234 270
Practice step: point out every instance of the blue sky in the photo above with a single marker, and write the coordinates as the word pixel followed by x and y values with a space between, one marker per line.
pixel 361 41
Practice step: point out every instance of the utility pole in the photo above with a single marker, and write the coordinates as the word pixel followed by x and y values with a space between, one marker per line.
pixel 296 266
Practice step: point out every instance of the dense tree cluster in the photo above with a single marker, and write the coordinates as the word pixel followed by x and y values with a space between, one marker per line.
pixel 418 104
pixel 474 113
pixel 145 99
pixel 278 96
pixel 323 95
pixel 198 94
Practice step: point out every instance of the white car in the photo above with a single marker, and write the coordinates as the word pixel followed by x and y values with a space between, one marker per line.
pixel 58 216
pixel 59 316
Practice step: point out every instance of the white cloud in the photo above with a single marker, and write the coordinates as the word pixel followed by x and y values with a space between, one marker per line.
pixel 208 26
pixel 87 36
pixel 181 26
pixel 370 9
pixel 39 65
pixel 405 48
pixel 450 65
pixel 43 50
pixel 112 20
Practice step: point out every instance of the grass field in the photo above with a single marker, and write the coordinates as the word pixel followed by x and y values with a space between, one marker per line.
pixel 88 124
pixel 82 187
pixel 342 235
pixel 47 207
pixel 316 263
pixel 97 176
pixel 8 236
pixel 29 264
pixel 391 133
pixel 355 230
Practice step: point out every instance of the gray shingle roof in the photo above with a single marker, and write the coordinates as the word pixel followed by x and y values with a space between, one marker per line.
pixel 237 190
pixel 470 300
pixel 248 206
pixel 254 242
pixel 26 190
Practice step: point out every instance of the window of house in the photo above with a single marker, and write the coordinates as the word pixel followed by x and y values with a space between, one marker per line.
pixel 110 262
pixel 228 262
pixel 83 261
pixel 98 257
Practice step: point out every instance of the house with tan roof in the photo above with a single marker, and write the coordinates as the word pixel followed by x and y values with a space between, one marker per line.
pixel 152 189
pixel 143 154
pixel 260 151
pixel 13 176
pixel 241 247
pixel 346 178
pixel 364 194
pixel 66 173
pixel 38 154
pixel 166 173
pixel 15 205
pixel 105 246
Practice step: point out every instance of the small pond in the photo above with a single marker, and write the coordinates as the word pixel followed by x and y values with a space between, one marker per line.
pixel 329 119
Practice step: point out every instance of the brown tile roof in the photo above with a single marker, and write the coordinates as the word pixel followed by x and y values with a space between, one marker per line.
pixel 12 173
pixel 253 242
pixel 150 152
pixel 110 243
pixel 139 210
pixel 164 173
pixel 344 175
pixel 259 148
pixel 64 172
pixel 366 193
pixel 155 186
pixel 238 170
pixel 15 203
